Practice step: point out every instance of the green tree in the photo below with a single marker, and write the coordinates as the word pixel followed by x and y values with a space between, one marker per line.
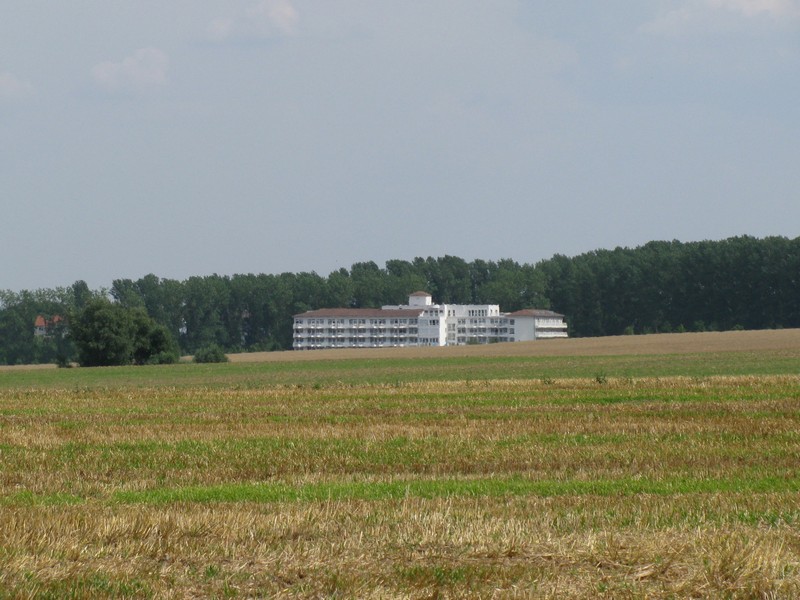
pixel 18 313
pixel 341 292
pixel 103 334
pixel 16 333
pixel 206 316
pixel 127 293
pixel 163 300
pixel 403 278
pixel 81 294
pixel 106 333
pixel 447 279
pixel 369 283
pixel 152 342
pixel 503 283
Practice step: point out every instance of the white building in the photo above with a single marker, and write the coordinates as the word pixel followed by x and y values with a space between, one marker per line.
pixel 422 323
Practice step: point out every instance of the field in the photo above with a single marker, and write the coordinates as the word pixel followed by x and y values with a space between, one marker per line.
pixel 652 466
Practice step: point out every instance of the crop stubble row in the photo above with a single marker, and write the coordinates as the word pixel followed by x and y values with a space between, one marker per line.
pixel 87 446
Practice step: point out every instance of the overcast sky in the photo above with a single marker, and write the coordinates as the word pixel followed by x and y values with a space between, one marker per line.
pixel 190 137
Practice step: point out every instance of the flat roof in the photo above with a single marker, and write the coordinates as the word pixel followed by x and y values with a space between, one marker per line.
pixel 534 312
pixel 360 313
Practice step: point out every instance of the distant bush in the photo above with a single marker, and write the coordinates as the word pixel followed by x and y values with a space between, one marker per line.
pixel 164 358
pixel 210 354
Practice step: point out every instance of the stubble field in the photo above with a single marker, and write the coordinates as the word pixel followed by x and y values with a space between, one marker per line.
pixel 660 470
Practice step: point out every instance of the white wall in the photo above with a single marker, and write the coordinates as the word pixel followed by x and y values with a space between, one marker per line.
pixel 524 328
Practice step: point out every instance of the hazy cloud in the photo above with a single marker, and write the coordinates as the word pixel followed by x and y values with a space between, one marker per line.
pixel 276 13
pixel 221 29
pixel 262 19
pixel 12 88
pixel 144 69
pixel 776 9
pixel 723 15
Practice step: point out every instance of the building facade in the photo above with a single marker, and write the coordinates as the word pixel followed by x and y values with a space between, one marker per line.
pixel 422 323
pixel 46 327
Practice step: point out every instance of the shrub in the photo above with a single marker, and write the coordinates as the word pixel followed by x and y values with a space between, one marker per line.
pixel 163 358
pixel 210 354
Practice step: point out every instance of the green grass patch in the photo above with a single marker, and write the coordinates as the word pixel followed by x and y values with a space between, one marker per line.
pixel 439 488
pixel 91 585
pixel 320 373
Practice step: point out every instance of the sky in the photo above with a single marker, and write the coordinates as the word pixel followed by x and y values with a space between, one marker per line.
pixel 193 137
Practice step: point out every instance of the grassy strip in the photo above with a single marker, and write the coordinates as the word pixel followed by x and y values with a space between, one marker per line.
pixel 453 487
pixel 399 370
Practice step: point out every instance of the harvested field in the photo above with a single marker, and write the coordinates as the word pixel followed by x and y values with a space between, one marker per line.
pixel 772 340
pixel 662 343
pixel 646 475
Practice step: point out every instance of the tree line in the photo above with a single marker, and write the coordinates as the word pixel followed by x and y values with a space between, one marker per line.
pixel 740 282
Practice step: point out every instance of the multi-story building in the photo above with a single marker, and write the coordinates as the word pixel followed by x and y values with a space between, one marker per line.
pixel 422 323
